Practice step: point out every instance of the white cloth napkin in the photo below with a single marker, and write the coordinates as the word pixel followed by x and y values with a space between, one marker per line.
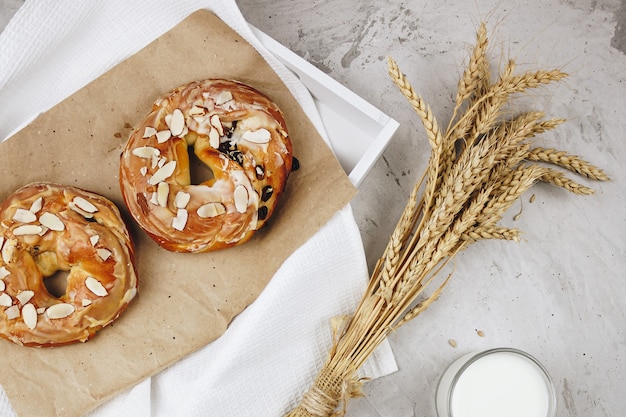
pixel 273 349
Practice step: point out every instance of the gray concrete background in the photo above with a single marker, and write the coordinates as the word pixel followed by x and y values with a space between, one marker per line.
pixel 560 294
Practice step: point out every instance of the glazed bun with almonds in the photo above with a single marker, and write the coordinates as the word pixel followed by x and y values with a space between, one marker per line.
pixel 235 131
pixel 46 229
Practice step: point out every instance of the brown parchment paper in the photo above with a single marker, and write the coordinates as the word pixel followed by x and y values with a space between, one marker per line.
pixel 185 300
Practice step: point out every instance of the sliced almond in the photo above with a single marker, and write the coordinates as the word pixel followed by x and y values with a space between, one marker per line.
pixel 59 311
pixel 163 136
pixel 214 138
pixel 80 211
pixel 154 199
pixel 241 198
pixel 27 229
pixel 257 136
pixel 163 173
pixel 163 191
pixel 182 199
pixel 36 206
pixel 52 222
pixel 197 110
pixel 155 161
pixel 5 300
pixel 146 152
pixel 2 286
pixel 217 124
pixel 85 302
pixel 104 254
pixel 96 287
pixel 201 120
pixel 8 249
pixel 211 210
pixel 180 221
pixel 29 315
pixel 143 171
pixel 85 205
pixel 4 272
pixel 149 132
pixel 41 310
pixel 177 122
pixel 12 312
pixel 224 97
pixel 94 239
pixel 24 296
pixel 24 216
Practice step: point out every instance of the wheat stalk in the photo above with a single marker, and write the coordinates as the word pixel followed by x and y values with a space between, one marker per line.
pixel 479 166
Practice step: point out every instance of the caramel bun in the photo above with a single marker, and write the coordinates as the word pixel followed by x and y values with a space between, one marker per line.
pixel 235 131
pixel 46 229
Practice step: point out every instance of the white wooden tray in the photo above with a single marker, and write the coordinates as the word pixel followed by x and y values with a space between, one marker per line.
pixel 358 131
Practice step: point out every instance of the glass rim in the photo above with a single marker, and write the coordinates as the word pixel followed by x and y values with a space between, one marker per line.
pixel 482 354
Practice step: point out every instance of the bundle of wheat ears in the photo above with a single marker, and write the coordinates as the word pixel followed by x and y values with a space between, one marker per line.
pixel 479 166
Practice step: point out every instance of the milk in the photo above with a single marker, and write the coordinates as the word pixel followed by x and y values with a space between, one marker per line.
pixel 496 383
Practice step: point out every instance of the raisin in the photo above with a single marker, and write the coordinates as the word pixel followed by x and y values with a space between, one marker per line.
pixel 229 134
pixel 260 172
pixel 226 146
pixel 231 151
pixel 262 212
pixel 295 164
pixel 267 193
pixel 236 156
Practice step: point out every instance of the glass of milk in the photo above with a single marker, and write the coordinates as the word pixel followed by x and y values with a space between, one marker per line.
pixel 502 382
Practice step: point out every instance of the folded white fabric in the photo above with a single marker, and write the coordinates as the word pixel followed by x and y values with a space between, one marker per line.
pixel 271 351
